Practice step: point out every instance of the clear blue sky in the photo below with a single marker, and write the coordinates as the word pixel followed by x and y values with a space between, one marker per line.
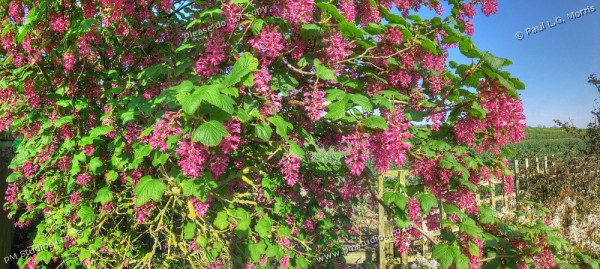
pixel 554 64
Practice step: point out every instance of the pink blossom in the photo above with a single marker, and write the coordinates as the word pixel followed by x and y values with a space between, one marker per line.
pixel 394 35
pixel 31 263
pixel 402 242
pixel 269 43
pixel 358 147
pixel 489 7
pixel 60 23
pixel 348 9
pixel 314 103
pixel 201 207
pixel 414 209
pixel 213 55
pixel 218 164
pixel 83 179
pixel 368 13
pixel 299 11
pixel 284 262
pixel 144 211
pixel 338 48
pixel 75 198
pixel 11 193
pixel 290 165
pixel 192 156
pixel 69 61
pixel 164 128
pixel 389 146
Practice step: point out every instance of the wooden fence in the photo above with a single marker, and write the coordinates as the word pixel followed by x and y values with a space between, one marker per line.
pixel 6 225
pixel 388 256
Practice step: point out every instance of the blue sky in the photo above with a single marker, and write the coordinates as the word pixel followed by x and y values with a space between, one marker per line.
pixel 554 64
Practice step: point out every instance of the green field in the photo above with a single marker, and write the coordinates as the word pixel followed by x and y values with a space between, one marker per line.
pixel 541 142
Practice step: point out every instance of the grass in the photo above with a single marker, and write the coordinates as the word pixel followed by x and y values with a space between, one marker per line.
pixel 541 142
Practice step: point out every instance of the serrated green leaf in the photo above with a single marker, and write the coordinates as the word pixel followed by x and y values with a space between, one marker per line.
pixel 86 214
pixel 242 67
pixel 189 230
pixel 104 196
pixel 376 122
pixel 221 221
pixel 149 189
pixel 210 133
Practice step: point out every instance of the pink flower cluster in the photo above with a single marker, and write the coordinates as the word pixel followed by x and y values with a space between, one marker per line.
pixel 299 11
pixel 164 128
pixel 489 7
pixel 83 179
pixel 213 55
pixel 338 48
pixel 503 123
pixel 414 209
pixel 314 103
pixel 201 207
pixel 389 146
pixel 192 156
pixel 269 43
pixel 144 211
pixel 290 166
pixel 358 145
pixel 348 9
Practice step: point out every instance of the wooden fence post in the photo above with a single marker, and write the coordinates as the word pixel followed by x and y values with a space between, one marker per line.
pixel 382 220
pixel 7 226
pixel 546 165
pixel 517 185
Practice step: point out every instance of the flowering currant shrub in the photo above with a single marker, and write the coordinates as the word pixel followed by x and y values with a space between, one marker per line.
pixel 172 133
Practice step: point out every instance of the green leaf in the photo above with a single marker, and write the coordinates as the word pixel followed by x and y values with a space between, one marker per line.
pixel 462 262
pixel 332 10
pixel 191 103
pixel 263 131
pixel 296 150
pixel 350 30
pixel 362 101
pixel 257 250
pixel 86 214
pixel 244 66
pixel 104 196
pixel 243 226
pixel 324 73
pixel 101 130
pixel 428 201
pixel 375 122
pixel 257 26
pixel 189 230
pixel 84 254
pixel 95 165
pixel 281 125
pixel 473 249
pixel 445 254
pixel 210 133
pixel 486 215
pixel 112 175
pixel 221 221
pixel 263 227
pixel 337 110
pixel 469 227
pixel 44 256
pixel 494 62
pixel 149 189
pixel 477 111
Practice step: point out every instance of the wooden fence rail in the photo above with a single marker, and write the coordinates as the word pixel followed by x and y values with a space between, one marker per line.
pixel 388 256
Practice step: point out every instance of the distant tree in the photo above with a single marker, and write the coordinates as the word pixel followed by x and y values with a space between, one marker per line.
pixel 591 136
